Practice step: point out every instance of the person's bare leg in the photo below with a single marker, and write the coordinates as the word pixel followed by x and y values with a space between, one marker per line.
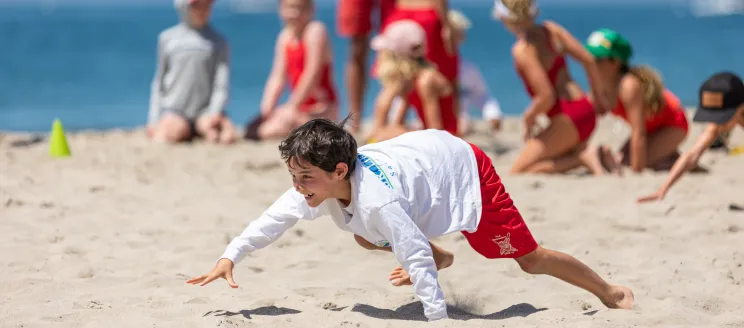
pixel 599 159
pixel 356 79
pixel 276 126
pixel 558 139
pixel 399 277
pixel 659 146
pixel 228 135
pixel 572 271
pixel 171 129
pixel 208 126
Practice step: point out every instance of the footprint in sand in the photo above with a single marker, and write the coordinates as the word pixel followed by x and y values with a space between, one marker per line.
pixel 199 300
pixel 14 203
pixel 86 273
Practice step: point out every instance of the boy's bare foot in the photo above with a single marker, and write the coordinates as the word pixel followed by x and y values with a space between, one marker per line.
pixel 622 298
pixel 400 277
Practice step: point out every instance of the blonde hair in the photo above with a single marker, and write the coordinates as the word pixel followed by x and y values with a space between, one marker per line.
pixel 392 67
pixel 652 86
pixel 520 9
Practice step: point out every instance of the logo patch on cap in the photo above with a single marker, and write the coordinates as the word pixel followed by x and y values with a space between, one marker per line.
pixel 597 39
pixel 710 99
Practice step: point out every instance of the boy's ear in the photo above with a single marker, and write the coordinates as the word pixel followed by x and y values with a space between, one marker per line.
pixel 341 170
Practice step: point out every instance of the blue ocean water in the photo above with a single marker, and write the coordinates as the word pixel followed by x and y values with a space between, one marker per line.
pixel 92 66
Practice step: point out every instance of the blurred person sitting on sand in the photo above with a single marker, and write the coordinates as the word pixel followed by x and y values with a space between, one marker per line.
pixel 439 52
pixel 303 57
pixel 539 56
pixel 721 108
pixel 403 69
pixel 656 116
pixel 395 196
pixel 474 92
pixel 191 87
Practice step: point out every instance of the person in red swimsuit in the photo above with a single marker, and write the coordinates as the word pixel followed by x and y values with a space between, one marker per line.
pixel 721 109
pixel 440 51
pixel 406 74
pixel 354 21
pixel 303 57
pixel 539 58
pixel 656 117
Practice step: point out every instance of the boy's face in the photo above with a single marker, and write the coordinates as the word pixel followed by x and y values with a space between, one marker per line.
pixel 294 12
pixel 316 184
pixel 200 11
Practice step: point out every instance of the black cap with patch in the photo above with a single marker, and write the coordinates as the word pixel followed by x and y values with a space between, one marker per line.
pixel 720 97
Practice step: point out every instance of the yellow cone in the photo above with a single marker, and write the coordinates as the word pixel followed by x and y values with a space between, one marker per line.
pixel 57 141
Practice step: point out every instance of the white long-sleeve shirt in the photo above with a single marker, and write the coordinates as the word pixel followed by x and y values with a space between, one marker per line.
pixel 404 191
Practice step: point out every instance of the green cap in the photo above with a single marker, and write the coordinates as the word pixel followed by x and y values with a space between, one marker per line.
pixel 606 43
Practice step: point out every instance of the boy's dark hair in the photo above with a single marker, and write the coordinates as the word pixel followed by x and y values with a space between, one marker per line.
pixel 322 143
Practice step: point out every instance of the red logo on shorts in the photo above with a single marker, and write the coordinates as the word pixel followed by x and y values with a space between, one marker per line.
pixel 505 247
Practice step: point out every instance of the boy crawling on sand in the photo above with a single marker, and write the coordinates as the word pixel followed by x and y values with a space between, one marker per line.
pixel 397 194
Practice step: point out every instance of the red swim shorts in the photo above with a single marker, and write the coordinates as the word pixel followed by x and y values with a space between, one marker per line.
pixel 582 115
pixel 501 232
pixel 354 17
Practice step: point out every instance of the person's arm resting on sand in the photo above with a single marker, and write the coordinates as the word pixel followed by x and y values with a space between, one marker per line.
pixel 631 96
pixel 686 161
pixel 284 213
pixel 412 250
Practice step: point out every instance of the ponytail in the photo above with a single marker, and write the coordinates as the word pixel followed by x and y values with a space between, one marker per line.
pixel 652 85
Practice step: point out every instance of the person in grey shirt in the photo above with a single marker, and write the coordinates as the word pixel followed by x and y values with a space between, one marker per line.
pixel 192 80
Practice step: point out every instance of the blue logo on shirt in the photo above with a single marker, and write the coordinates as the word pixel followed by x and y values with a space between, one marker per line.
pixel 372 166
pixel 382 243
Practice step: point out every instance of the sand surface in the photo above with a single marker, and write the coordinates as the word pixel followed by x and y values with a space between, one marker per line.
pixel 108 237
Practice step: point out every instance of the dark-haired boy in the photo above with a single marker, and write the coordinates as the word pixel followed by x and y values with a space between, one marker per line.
pixel 398 194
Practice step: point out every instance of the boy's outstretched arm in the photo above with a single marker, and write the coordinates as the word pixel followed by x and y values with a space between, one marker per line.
pixel 412 250
pixel 284 213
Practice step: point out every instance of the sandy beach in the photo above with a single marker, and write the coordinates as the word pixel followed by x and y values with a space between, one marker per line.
pixel 108 238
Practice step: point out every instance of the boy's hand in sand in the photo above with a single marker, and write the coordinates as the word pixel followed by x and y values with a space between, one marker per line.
pixel 223 269
pixel 659 195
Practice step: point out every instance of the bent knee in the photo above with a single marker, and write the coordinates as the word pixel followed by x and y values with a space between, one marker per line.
pixel 530 263
pixel 172 128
